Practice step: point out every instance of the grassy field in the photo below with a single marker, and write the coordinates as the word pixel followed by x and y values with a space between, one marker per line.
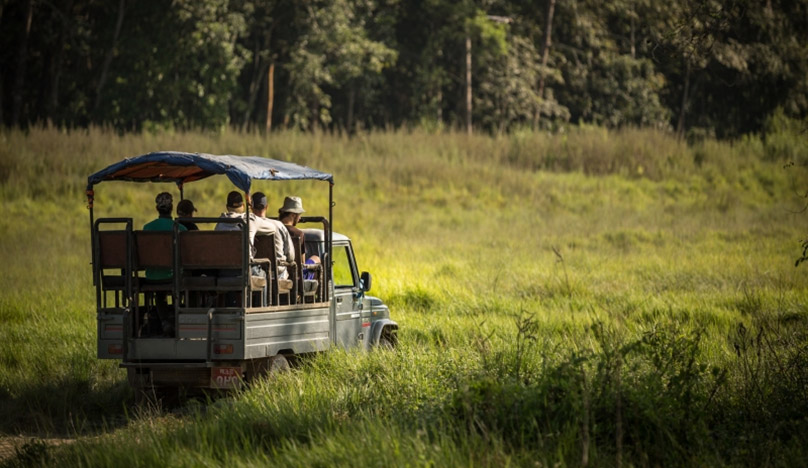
pixel 603 298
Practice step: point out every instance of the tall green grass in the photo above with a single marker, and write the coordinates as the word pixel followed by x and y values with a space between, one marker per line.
pixel 596 297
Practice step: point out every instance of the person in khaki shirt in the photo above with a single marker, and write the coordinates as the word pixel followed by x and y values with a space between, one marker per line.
pixel 261 225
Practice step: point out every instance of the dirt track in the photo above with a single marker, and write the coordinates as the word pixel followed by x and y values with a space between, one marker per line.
pixel 10 444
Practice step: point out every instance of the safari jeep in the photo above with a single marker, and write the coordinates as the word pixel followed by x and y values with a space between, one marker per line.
pixel 229 325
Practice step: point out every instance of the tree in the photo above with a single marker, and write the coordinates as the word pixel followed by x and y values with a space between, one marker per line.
pixel 606 80
pixel 334 53
pixel 22 63
pixel 508 91
pixel 185 76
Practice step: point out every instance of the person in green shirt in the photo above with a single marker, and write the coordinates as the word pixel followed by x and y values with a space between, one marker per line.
pixel 165 205
pixel 164 222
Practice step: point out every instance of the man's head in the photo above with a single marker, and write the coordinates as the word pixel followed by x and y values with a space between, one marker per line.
pixel 259 203
pixel 291 210
pixel 185 209
pixel 235 202
pixel 165 203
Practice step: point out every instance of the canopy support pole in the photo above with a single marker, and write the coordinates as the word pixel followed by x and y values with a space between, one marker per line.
pixel 90 199
pixel 329 245
pixel 329 264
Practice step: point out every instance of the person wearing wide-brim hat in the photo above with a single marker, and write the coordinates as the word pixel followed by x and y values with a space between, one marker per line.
pixel 289 215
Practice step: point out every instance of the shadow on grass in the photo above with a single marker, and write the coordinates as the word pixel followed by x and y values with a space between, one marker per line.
pixel 66 408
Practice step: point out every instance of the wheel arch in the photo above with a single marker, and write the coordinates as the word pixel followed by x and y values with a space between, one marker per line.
pixel 384 327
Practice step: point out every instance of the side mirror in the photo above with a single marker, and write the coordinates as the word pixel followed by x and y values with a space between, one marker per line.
pixel 365 281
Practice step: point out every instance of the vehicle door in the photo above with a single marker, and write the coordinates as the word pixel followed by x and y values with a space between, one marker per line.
pixel 346 295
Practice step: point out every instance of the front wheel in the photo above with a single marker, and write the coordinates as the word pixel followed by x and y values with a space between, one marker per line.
pixel 386 341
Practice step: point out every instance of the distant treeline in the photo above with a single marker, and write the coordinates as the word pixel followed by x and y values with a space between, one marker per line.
pixel 709 67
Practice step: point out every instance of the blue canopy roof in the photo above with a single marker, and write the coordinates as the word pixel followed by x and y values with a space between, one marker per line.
pixel 173 166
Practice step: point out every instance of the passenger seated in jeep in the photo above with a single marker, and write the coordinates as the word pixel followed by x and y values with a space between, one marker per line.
pixel 289 215
pixel 260 224
pixel 186 209
pixel 235 209
pixel 165 205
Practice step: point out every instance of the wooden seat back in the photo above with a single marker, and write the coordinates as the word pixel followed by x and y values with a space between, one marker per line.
pixel 112 249
pixel 155 249
pixel 265 247
pixel 212 249
pixel 112 261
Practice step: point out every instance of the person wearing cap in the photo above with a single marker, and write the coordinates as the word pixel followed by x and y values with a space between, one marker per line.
pixel 186 209
pixel 165 205
pixel 261 225
pixel 235 209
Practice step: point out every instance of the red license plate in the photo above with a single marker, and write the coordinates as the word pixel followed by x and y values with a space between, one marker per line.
pixel 225 377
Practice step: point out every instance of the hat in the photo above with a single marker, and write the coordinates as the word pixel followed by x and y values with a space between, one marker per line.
pixel 292 205
pixel 234 199
pixel 259 200
pixel 185 207
pixel 164 201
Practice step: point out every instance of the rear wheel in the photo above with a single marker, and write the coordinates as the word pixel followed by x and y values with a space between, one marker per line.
pixel 268 366
pixel 277 364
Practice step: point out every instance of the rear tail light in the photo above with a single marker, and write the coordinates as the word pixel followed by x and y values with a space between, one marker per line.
pixel 115 349
pixel 223 349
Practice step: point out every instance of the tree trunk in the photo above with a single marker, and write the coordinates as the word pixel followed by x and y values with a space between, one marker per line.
pixel 548 41
pixel 270 95
pixel 439 93
pixel 351 100
pixel 468 85
pixel 633 47
pixel 545 54
pixel 680 126
pixel 56 66
pixel 255 80
pixel 22 59
pixel 110 54
pixel 2 119
pixel 439 99
pixel 259 72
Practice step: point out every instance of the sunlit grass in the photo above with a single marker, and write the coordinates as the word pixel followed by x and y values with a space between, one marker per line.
pixel 467 238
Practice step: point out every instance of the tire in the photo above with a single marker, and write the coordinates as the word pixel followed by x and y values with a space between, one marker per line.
pixel 145 395
pixel 271 366
pixel 277 364
pixel 386 342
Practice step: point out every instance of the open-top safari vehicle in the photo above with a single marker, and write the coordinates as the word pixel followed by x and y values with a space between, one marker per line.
pixel 231 327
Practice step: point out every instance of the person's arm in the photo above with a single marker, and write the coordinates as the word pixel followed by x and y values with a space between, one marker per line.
pixel 288 246
pixel 279 250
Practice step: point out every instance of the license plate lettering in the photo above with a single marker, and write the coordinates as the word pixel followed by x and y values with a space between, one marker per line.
pixel 225 377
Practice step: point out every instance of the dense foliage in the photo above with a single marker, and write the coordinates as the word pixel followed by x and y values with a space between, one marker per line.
pixel 717 67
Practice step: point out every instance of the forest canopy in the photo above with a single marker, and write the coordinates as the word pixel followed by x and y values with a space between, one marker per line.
pixel 709 67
